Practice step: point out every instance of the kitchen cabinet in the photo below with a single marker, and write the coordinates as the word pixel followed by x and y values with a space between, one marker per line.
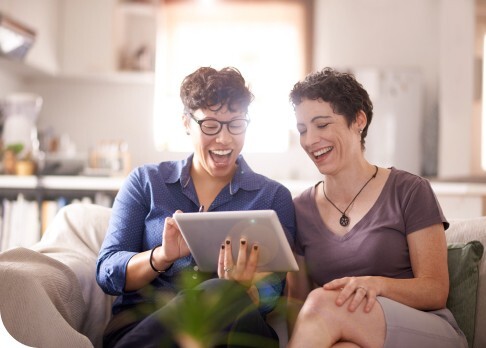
pixel 41 16
pixel 135 35
pixel 108 40
pixel 100 37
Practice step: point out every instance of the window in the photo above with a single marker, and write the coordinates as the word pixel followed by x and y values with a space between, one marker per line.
pixel 265 40
pixel 483 111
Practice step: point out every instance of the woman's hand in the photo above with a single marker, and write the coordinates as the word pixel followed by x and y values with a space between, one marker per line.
pixel 358 289
pixel 243 271
pixel 173 246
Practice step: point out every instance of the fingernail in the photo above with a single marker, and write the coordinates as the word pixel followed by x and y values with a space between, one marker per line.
pixel 222 246
pixel 227 242
pixel 243 242
pixel 255 247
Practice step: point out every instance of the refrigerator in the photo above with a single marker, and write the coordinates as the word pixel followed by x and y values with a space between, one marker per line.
pixel 395 134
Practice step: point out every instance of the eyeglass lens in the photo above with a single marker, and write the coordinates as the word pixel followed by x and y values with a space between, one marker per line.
pixel 211 127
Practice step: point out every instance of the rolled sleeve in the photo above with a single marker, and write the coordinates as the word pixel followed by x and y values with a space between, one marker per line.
pixel 111 272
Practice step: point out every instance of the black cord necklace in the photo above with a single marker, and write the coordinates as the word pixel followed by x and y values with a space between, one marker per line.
pixel 344 220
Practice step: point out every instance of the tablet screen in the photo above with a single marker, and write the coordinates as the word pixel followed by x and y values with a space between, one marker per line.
pixel 205 232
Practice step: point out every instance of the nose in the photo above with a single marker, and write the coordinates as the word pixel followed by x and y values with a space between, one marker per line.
pixel 309 138
pixel 224 136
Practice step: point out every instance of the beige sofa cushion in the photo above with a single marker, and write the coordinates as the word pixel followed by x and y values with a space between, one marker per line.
pixel 463 231
pixel 74 238
pixel 50 310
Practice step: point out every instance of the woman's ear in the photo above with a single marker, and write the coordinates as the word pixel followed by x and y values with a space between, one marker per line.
pixel 361 120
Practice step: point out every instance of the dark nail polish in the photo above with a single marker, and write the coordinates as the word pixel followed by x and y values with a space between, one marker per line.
pixel 243 242
pixel 222 246
pixel 255 247
pixel 227 242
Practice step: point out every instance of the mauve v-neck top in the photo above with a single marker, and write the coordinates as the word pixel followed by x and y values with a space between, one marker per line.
pixel 377 244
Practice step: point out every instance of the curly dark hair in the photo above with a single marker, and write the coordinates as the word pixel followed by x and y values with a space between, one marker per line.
pixel 208 88
pixel 341 90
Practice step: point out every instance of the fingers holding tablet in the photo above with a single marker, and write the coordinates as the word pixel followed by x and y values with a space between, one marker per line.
pixel 243 270
pixel 174 245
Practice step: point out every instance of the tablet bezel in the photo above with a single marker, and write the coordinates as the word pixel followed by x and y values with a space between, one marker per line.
pixel 205 232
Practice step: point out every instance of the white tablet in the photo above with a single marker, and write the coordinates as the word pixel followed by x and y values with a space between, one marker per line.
pixel 205 232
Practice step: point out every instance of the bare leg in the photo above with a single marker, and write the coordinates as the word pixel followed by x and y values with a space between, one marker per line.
pixel 321 323
pixel 345 345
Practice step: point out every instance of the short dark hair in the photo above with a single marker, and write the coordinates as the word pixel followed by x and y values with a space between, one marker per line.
pixel 208 88
pixel 340 89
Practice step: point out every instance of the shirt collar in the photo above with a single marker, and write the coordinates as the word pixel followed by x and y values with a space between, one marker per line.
pixel 244 177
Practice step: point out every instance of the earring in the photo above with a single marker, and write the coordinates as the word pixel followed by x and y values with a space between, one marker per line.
pixel 188 133
pixel 360 131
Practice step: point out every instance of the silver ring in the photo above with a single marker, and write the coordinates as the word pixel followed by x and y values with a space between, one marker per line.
pixel 228 269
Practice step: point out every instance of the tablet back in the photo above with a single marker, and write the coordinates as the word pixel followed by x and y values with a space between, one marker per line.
pixel 205 232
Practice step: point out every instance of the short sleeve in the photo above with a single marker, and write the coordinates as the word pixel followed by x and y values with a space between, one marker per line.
pixel 421 208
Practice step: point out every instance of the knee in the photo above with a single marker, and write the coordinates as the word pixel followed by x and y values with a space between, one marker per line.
pixel 320 304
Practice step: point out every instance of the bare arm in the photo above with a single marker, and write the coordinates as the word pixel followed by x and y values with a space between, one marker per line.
pixel 429 288
pixel 140 273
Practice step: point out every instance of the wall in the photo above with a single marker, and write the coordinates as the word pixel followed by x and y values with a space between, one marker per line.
pixel 90 111
pixel 375 33
pixel 9 83
pixel 456 72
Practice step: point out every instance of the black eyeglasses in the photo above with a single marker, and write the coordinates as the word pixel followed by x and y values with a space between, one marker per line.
pixel 213 127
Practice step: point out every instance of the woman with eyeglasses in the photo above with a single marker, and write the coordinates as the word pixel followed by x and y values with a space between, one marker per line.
pixel 143 255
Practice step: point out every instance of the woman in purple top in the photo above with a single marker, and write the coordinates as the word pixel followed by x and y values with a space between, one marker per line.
pixel 370 241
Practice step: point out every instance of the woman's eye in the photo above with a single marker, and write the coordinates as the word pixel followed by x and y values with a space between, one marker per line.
pixel 322 125
pixel 301 131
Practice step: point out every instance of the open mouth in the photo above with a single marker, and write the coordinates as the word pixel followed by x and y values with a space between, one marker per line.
pixel 321 152
pixel 220 156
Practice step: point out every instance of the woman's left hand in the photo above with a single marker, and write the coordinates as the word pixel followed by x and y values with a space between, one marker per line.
pixel 358 289
pixel 243 271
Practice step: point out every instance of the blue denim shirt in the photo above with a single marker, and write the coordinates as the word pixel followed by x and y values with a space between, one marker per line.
pixel 153 192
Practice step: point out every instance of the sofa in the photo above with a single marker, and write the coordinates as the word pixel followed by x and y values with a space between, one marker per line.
pixel 49 296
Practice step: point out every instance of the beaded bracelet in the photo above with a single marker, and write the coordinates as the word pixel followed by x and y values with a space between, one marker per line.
pixel 152 265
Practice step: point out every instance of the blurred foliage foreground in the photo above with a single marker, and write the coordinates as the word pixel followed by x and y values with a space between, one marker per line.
pixel 203 319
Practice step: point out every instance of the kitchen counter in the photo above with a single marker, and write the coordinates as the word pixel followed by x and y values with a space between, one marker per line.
pixel 60 182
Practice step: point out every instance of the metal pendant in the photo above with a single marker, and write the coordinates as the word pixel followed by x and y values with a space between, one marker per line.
pixel 344 220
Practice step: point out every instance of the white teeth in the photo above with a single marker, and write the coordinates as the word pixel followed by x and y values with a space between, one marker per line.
pixel 221 152
pixel 322 151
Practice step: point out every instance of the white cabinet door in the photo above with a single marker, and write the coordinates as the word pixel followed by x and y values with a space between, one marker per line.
pixel 87 36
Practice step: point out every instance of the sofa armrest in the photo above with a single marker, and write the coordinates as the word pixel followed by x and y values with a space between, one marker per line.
pixel 40 301
pixel 463 231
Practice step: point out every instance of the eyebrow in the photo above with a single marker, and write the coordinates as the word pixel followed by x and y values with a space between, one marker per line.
pixel 315 118
pixel 319 117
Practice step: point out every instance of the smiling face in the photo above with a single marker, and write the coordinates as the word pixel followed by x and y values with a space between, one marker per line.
pixel 326 137
pixel 215 155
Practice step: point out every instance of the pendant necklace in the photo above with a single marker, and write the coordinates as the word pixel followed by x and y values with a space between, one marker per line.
pixel 344 220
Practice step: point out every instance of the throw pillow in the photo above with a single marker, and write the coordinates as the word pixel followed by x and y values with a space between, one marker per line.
pixel 463 261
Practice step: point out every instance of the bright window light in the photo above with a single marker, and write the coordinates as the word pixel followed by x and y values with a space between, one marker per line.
pixel 264 40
